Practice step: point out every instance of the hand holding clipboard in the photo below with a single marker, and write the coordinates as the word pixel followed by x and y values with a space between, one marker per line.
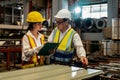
pixel 48 49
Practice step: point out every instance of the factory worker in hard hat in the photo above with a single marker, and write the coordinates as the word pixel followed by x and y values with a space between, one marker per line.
pixel 33 40
pixel 69 39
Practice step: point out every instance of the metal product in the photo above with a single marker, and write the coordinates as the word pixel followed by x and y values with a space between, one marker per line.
pixel 88 25
pixel 101 23
pixel 78 23
pixel 51 72
pixel 92 36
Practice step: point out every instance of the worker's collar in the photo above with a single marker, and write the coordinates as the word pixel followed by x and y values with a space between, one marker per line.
pixel 29 33
pixel 66 29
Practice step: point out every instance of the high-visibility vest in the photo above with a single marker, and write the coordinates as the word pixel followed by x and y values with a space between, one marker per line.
pixel 65 47
pixel 66 42
pixel 34 58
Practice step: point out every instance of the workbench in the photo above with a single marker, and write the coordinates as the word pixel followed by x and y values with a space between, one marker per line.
pixel 8 50
pixel 50 72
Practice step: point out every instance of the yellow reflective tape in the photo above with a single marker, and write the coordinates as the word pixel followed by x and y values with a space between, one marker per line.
pixel 56 38
pixel 32 43
pixel 42 39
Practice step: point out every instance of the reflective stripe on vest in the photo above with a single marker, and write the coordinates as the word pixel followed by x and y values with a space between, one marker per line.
pixel 33 44
pixel 66 42
pixel 42 39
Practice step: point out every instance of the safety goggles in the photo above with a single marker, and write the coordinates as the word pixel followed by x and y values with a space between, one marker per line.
pixel 60 21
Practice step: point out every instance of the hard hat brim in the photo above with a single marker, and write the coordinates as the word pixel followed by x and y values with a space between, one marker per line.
pixel 57 17
pixel 41 20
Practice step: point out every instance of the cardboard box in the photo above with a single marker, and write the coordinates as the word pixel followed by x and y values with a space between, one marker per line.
pixel 107 32
pixel 115 32
pixel 107 47
pixel 115 46
pixel 116 28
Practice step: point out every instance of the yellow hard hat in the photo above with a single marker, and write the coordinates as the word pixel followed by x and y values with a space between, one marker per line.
pixel 35 16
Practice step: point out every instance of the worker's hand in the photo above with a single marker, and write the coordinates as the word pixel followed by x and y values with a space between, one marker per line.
pixel 52 51
pixel 37 49
pixel 84 60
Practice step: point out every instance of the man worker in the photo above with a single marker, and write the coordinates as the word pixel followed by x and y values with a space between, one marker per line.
pixel 68 38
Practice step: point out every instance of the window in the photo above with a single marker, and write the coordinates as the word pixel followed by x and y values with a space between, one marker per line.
pixel 94 11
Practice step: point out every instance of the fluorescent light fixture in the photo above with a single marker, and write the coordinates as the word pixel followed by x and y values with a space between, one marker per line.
pixel 77 10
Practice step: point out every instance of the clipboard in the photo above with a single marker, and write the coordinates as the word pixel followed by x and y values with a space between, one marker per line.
pixel 45 49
